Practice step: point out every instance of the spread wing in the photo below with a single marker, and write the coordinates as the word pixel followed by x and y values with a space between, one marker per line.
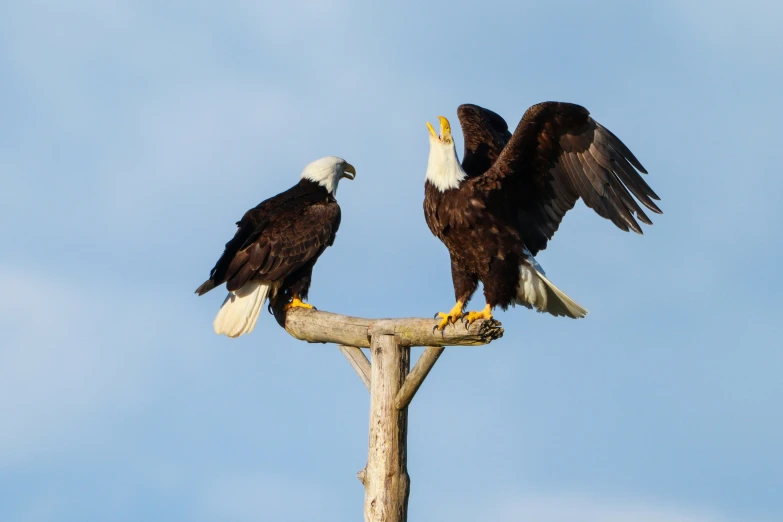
pixel 273 241
pixel 558 154
pixel 485 134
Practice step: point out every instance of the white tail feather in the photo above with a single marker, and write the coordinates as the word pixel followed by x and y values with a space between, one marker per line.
pixel 558 303
pixel 538 292
pixel 240 310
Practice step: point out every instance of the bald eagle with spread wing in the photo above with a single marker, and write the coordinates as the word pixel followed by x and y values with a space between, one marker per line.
pixel 275 247
pixel 501 206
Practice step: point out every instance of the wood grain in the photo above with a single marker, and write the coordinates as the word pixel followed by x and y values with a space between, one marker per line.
pixel 315 326
pixel 386 481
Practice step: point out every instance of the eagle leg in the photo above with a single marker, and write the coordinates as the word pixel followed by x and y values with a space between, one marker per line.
pixel 297 303
pixel 471 317
pixel 449 318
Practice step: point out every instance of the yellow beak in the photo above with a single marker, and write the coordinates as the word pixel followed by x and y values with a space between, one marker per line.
pixel 349 171
pixel 445 129
pixel 432 131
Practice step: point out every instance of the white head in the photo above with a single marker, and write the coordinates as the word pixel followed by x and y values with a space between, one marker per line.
pixel 443 168
pixel 328 172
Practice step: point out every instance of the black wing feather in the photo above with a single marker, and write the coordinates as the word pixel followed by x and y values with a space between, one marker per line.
pixel 276 238
pixel 558 154
pixel 485 133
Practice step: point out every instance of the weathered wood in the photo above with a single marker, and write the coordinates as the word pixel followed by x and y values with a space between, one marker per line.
pixel 385 478
pixel 359 362
pixel 324 327
pixel 415 379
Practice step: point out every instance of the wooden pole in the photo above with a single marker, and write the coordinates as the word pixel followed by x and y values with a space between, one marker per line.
pixel 392 386
pixel 386 481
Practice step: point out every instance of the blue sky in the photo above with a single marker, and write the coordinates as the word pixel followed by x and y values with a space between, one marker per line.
pixel 134 135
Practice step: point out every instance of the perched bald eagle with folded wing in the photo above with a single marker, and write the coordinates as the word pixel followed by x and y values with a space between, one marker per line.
pixel 276 246
pixel 502 205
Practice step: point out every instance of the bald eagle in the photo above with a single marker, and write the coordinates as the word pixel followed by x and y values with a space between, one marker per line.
pixel 276 246
pixel 501 206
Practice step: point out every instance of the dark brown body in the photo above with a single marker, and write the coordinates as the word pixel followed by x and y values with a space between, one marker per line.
pixel 279 241
pixel 483 245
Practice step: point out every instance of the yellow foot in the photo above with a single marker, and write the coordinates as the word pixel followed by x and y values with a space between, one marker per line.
pixel 449 318
pixel 472 317
pixel 296 303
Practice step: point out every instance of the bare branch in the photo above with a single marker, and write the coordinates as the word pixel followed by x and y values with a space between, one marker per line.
pixel 359 362
pixel 324 327
pixel 419 372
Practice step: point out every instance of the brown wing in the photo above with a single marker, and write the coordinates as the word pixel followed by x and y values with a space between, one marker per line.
pixel 557 154
pixel 485 133
pixel 272 243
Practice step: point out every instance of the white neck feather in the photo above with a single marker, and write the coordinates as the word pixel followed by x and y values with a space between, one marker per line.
pixel 443 168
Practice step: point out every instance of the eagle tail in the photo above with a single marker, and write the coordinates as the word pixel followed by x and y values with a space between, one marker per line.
pixel 536 291
pixel 240 310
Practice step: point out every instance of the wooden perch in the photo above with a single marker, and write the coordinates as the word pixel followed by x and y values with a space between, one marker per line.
pixel 315 326
pixel 391 383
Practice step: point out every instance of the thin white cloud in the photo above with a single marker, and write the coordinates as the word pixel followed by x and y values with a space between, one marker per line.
pixel 272 21
pixel 208 138
pixel 749 30
pixel 67 355
pixel 259 497
pixel 42 376
pixel 592 509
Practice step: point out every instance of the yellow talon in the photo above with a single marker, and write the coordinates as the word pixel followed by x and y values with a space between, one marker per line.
pixel 296 303
pixel 472 317
pixel 450 318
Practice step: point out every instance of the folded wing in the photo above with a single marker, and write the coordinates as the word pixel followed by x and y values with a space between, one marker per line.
pixel 271 245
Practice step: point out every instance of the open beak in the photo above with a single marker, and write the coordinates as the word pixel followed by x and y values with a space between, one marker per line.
pixel 445 129
pixel 349 171
pixel 432 131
